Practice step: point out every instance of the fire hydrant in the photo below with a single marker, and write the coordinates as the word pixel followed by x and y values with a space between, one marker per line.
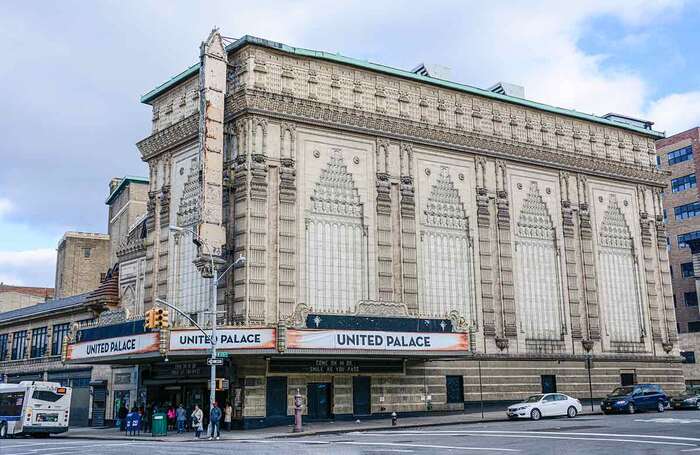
pixel 394 419
pixel 297 412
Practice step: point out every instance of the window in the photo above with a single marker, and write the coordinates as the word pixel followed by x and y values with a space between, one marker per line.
pixel 670 269
pixel 19 344
pixel 87 252
pixel 658 160
pixel 60 331
pixel 688 356
pixel 683 238
pixel 455 389
pixel 687 269
pixel 683 183
pixel 549 383
pixel 38 348
pixel 665 216
pixel 674 301
pixel 691 298
pixel 680 155
pixel 683 212
pixel 3 347
pixel 694 326
pixel 47 395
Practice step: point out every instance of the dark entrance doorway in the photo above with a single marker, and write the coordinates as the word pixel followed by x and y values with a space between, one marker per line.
pixel 549 383
pixel 361 395
pixel 455 389
pixel 627 379
pixel 276 396
pixel 99 403
pixel 318 397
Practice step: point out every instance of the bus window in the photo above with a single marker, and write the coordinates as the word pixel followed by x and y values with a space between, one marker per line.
pixel 11 403
pixel 46 395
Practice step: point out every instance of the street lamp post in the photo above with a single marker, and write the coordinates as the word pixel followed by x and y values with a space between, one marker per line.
pixel 213 304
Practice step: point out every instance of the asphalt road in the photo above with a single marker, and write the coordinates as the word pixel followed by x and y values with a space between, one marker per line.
pixel 673 432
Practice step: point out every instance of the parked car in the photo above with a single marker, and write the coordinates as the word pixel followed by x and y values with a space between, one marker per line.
pixel 689 399
pixel 545 405
pixel 633 398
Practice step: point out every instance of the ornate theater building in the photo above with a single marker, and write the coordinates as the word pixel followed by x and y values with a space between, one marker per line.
pixel 410 244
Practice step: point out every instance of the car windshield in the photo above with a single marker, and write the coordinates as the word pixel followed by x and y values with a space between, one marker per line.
pixel 534 399
pixel 622 391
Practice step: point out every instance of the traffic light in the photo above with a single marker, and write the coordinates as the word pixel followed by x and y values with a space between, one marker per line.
pixel 165 319
pixel 149 322
pixel 158 318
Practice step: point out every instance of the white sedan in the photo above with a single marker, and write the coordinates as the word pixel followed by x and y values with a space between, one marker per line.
pixel 545 405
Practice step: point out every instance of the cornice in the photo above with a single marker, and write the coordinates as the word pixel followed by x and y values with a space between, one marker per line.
pixel 315 113
pixel 169 137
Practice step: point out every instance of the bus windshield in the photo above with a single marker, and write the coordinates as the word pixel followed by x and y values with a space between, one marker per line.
pixel 47 395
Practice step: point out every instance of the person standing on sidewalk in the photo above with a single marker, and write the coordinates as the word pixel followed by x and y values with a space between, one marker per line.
pixel 121 415
pixel 181 416
pixel 228 415
pixel 197 418
pixel 215 421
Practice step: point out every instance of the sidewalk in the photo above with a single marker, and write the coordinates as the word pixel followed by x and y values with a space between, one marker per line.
pixel 310 429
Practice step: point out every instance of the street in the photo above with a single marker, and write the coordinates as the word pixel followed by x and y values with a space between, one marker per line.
pixel 648 433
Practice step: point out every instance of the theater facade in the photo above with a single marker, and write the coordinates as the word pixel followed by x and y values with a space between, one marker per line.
pixel 411 244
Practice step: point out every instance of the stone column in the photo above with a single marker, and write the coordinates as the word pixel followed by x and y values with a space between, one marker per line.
pixel 241 188
pixel 570 256
pixel 483 223
pixel 384 239
pixel 667 306
pixel 287 222
pixel 258 224
pixel 589 271
pixel 408 229
pixel 505 253
pixel 648 253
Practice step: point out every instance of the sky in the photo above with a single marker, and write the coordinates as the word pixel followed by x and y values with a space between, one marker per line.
pixel 72 73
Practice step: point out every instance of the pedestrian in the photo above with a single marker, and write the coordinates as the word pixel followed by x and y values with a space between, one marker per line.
pixel 181 417
pixel 121 416
pixel 228 414
pixel 142 418
pixel 197 418
pixel 215 421
pixel 171 417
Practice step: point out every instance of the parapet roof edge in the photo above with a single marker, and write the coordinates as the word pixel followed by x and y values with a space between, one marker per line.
pixel 125 181
pixel 338 58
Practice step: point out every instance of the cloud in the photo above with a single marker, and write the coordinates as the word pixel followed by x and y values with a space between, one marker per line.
pixel 5 206
pixel 676 112
pixel 28 267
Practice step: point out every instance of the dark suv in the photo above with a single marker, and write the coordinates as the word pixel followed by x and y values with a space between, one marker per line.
pixel 633 398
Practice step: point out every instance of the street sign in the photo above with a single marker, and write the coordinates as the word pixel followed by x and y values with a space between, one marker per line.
pixel 215 361
pixel 223 355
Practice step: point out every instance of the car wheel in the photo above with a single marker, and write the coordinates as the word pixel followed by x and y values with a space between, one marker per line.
pixel 660 406
pixel 3 430
pixel 630 409
pixel 535 414
pixel 571 412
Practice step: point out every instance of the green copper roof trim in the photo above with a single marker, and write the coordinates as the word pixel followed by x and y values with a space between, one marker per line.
pixel 247 39
pixel 127 179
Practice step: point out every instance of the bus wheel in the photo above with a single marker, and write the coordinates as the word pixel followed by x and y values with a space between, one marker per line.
pixel 40 435
pixel 3 430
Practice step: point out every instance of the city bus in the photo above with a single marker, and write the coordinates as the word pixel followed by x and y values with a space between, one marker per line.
pixel 34 408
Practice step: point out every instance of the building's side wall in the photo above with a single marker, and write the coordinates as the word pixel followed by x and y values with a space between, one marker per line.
pixel 682 285
pixel 690 342
pixel 124 211
pixel 75 272
pixel 12 300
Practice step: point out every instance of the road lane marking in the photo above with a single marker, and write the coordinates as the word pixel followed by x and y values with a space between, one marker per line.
pixel 668 420
pixel 425 446
pixel 445 432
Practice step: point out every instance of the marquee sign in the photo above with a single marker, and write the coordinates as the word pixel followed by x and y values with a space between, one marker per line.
pixel 227 339
pixel 376 340
pixel 109 347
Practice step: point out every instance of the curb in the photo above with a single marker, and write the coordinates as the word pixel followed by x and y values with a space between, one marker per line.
pixel 303 433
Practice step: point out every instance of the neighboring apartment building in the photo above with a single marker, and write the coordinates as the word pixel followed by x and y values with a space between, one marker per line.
pixel 31 348
pixel 82 260
pixel 678 154
pixel 411 244
pixel 13 297
pixel 127 205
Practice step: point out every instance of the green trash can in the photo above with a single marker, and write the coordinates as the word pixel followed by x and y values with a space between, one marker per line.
pixel 159 424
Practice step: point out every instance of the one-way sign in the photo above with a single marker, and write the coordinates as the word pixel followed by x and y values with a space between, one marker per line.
pixel 215 361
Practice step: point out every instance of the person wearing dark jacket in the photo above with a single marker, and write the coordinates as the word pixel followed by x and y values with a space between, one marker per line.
pixel 121 415
pixel 215 421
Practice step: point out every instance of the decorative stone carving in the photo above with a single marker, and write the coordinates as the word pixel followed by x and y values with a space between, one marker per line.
pixel 381 308
pixel 298 318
